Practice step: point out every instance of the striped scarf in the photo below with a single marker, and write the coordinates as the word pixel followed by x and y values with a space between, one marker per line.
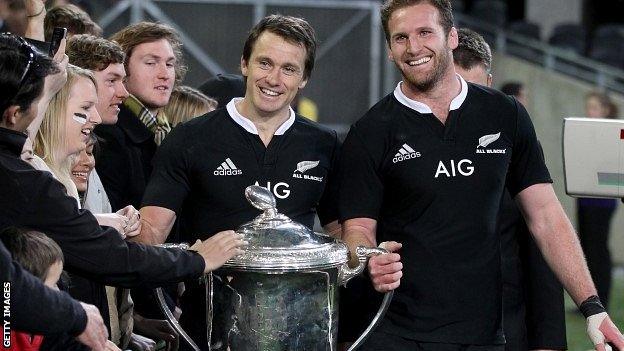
pixel 156 124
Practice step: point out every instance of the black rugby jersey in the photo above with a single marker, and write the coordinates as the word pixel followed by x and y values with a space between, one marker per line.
pixel 436 188
pixel 203 167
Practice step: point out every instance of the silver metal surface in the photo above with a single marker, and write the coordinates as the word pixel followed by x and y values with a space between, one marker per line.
pixel 282 292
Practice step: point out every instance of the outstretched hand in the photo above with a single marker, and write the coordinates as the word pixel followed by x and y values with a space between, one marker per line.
pixel 219 248
pixel 601 330
pixel 385 270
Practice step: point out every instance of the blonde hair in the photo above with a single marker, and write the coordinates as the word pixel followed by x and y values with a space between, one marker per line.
pixel 51 138
pixel 186 103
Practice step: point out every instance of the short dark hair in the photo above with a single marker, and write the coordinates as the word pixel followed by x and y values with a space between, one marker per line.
pixel 512 88
pixel 15 54
pixel 93 53
pixel 148 32
pixel 72 17
pixel 472 50
pixel 33 250
pixel 292 29
pixel 443 6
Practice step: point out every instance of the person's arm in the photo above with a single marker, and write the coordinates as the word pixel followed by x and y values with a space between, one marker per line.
pixel 156 224
pixel 52 84
pixel 35 15
pixel 385 270
pixel 559 244
pixel 333 229
pixel 26 294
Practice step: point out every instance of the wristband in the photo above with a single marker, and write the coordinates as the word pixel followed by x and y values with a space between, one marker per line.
pixel 591 306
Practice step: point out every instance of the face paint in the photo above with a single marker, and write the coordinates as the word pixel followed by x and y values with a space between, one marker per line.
pixel 80 118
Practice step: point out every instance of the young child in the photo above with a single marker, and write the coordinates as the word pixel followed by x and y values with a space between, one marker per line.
pixel 42 257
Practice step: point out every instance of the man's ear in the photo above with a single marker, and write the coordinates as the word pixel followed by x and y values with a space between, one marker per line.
pixel 489 80
pixel 453 39
pixel 389 52
pixel 243 66
pixel 303 83
pixel 10 116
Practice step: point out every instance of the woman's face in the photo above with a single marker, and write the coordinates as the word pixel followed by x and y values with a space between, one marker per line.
pixel 83 165
pixel 81 115
pixel 595 109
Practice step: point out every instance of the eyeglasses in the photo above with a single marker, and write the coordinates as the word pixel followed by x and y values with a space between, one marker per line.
pixel 31 59
pixel 26 49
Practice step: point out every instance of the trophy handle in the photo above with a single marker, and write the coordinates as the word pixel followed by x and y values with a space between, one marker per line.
pixel 346 273
pixel 165 309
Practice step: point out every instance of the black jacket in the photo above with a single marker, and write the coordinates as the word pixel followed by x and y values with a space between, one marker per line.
pixel 26 295
pixel 124 162
pixel 35 200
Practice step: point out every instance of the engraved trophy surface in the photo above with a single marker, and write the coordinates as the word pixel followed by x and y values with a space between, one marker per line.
pixel 282 292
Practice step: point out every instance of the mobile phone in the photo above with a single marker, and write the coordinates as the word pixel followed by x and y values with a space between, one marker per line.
pixel 55 41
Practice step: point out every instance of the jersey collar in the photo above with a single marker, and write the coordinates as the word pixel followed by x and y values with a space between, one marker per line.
pixel 422 108
pixel 249 126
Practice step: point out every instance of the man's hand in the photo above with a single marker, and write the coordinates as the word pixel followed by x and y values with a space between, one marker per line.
pixel 386 270
pixel 601 330
pixel 95 334
pixel 219 248
pixel 157 329
pixel 110 346
pixel 141 343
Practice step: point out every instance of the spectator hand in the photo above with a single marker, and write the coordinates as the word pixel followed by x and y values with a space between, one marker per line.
pixel 95 334
pixel 601 329
pixel 110 346
pixel 133 225
pixel 157 329
pixel 385 270
pixel 219 248
pixel 141 343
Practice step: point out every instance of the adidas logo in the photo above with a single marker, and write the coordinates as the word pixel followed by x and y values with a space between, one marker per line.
pixel 227 168
pixel 405 153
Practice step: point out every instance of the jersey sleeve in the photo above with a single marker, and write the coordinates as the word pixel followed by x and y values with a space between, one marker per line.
pixel 361 186
pixel 328 205
pixel 169 184
pixel 527 161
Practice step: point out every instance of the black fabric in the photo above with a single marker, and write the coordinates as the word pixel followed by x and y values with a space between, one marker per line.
pixel 35 200
pixel 442 205
pixel 189 178
pixel 533 305
pixel 27 294
pixel 594 224
pixel 224 87
pixel 124 163
pixel 382 341
pixel 186 179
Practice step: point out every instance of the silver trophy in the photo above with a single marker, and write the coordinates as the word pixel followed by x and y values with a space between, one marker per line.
pixel 282 292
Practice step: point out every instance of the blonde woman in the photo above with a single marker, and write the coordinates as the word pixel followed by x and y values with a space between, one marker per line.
pixel 64 133
pixel 187 103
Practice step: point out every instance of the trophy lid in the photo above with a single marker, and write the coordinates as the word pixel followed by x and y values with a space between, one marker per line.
pixel 276 243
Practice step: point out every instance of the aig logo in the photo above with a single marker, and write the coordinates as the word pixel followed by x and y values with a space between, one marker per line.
pixel 463 167
pixel 280 190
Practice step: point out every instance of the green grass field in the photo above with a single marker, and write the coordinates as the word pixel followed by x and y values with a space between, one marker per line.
pixel 575 323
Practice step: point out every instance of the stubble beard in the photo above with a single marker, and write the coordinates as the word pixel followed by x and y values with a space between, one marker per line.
pixel 429 82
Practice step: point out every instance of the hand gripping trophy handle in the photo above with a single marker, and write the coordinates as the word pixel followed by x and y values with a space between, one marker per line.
pixel 363 254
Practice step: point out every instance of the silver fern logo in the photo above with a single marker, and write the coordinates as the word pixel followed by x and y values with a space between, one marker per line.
pixel 306 165
pixel 488 139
